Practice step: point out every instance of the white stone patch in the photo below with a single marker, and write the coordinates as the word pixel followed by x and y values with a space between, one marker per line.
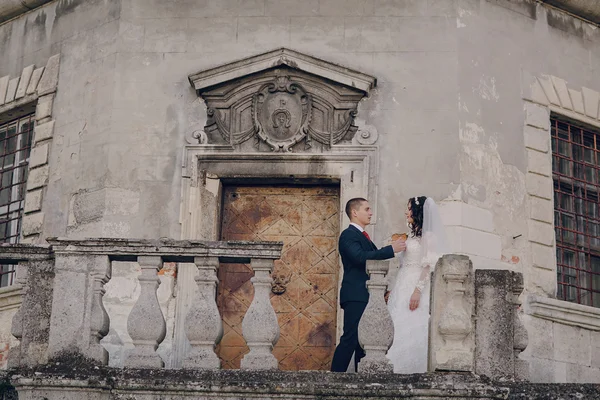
pixel 471 190
pixel 475 155
pixel 464 13
pixel 487 88
pixel 471 133
pixel 493 143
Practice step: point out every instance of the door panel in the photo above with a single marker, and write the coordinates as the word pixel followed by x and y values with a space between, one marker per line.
pixel 306 220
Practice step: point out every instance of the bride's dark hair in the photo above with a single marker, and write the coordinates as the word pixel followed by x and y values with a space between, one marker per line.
pixel 416 228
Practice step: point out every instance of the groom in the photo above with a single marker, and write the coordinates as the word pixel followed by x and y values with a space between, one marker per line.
pixel 356 248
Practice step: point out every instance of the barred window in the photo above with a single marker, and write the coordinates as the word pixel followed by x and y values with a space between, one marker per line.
pixel 575 172
pixel 15 146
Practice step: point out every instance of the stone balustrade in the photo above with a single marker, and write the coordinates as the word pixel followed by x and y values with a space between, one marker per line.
pixel 475 324
pixel 474 321
pixel 31 323
pixel 76 272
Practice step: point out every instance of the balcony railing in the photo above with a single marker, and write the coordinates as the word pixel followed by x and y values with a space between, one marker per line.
pixel 71 293
pixel 473 313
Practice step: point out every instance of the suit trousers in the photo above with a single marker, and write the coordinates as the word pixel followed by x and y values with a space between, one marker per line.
pixel 353 311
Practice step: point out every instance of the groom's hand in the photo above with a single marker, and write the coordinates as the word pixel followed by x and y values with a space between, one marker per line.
pixel 399 245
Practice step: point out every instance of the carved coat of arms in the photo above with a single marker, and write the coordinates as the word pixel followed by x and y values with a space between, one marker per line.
pixel 281 113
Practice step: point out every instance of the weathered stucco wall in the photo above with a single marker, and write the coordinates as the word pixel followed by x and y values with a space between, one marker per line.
pixel 448 107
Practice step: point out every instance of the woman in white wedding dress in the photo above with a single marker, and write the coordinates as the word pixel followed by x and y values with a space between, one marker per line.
pixel 409 299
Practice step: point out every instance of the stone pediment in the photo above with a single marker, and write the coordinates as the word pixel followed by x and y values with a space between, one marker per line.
pixel 281 101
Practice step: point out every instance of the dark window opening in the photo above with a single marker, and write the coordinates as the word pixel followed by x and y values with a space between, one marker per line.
pixel 575 172
pixel 15 146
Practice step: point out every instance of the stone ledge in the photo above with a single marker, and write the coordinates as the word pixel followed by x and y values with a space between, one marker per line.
pixel 563 312
pixel 589 10
pixel 170 249
pixel 109 383
pixel 13 8
pixel 10 297
pixel 23 252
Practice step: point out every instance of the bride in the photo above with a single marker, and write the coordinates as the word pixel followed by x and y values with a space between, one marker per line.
pixel 409 299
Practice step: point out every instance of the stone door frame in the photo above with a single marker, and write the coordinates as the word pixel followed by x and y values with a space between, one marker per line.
pixel 207 166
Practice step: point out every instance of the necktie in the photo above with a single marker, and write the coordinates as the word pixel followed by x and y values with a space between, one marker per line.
pixel 367 235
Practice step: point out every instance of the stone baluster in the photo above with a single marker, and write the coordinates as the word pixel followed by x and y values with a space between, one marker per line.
pixel 14 356
pixel 376 329
pixel 260 326
pixel 520 333
pixel 452 342
pixel 99 321
pixel 146 323
pixel 203 325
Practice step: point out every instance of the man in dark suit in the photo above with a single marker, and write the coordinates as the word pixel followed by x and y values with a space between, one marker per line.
pixel 356 248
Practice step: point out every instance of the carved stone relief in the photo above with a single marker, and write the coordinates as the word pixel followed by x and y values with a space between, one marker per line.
pixel 281 110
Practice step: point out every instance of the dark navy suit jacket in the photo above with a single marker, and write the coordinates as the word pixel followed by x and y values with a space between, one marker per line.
pixel 355 249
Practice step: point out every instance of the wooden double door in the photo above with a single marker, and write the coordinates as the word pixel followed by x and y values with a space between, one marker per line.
pixel 304 295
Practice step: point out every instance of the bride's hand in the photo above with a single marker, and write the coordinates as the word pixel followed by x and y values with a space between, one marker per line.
pixel 414 300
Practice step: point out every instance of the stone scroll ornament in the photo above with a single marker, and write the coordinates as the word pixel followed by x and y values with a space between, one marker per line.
pixel 281 113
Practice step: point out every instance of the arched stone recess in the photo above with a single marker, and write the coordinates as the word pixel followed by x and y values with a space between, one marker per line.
pixel 281 116
pixel 35 87
pixel 543 95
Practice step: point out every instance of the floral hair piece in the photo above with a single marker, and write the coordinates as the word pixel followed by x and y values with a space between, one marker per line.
pixel 416 200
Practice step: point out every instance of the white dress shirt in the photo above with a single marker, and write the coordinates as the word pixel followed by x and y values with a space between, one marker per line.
pixel 357 226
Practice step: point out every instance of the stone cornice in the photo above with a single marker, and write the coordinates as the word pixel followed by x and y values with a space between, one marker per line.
pixel 563 312
pixel 293 59
pixel 585 9
pixel 13 8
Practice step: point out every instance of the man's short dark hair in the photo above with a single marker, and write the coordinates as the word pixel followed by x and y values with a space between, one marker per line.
pixel 353 204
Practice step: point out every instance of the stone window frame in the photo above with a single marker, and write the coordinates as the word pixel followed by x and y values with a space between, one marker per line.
pixel 576 183
pixel 543 95
pixel 34 86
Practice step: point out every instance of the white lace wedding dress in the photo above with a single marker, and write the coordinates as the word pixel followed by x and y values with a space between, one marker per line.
pixel 408 353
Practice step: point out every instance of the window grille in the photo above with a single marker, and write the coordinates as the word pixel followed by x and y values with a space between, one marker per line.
pixel 575 172
pixel 15 146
